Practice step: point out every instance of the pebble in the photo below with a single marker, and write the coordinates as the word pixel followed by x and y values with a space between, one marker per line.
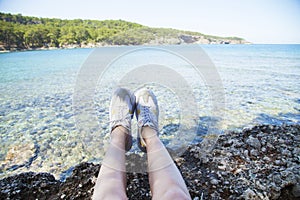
pixel 104 126
pixel 254 152
pixel 246 153
pixel 222 167
pixel 281 141
pixel 286 152
pixel 253 142
pixel 249 194
pixel 270 146
pixel 266 159
pixel 277 162
pixel 214 181
pixel 296 190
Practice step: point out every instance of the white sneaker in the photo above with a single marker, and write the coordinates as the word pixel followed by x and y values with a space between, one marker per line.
pixel 121 111
pixel 146 113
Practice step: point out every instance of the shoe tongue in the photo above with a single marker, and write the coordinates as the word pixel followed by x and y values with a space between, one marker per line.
pixel 146 98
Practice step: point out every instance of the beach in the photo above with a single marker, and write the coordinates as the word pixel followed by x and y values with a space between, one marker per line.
pixel 47 145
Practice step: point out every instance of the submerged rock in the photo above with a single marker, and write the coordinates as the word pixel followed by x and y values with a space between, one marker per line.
pixel 229 171
pixel 20 155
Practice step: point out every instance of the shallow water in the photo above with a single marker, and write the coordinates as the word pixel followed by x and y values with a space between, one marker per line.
pixel 39 127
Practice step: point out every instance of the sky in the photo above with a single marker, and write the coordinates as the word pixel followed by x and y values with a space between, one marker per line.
pixel 257 21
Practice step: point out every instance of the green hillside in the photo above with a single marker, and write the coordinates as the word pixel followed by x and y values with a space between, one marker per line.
pixel 23 32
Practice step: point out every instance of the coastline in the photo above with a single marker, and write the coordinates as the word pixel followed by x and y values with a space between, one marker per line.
pixel 257 163
pixel 98 45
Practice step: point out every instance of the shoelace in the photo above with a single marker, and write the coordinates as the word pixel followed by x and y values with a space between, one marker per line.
pixel 127 117
pixel 147 117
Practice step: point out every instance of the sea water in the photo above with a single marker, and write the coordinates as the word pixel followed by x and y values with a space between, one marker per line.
pixel 39 130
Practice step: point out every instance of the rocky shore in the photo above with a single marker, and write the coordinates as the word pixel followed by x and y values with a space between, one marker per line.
pixel 261 162
pixel 179 40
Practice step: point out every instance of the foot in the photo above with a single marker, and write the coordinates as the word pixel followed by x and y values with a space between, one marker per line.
pixel 121 111
pixel 146 114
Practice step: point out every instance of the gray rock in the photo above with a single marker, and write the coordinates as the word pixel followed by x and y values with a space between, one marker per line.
pixel 286 152
pixel 277 162
pixel 267 159
pixel 270 146
pixel 296 190
pixel 246 153
pixel 280 141
pixel 249 194
pixel 214 181
pixel 253 142
pixel 254 152
pixel 277 179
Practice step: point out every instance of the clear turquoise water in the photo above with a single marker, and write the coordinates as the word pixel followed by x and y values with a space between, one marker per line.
pixel 38 129
pixel 261 82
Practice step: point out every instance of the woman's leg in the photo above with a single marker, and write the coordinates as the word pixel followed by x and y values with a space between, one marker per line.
pixel 111 181
pixel 165 179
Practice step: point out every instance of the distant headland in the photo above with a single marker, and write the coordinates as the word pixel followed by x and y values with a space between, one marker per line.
pixel 19 32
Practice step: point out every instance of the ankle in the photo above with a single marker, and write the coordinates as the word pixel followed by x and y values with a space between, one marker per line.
pixel 119 133
pixel 148 133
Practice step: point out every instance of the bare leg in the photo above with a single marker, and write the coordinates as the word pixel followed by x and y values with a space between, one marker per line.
pixel 165 179
pixel 111 182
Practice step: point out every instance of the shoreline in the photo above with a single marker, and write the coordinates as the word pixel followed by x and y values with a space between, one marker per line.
pixel 99 46
pixel 89 46
pixel 257 163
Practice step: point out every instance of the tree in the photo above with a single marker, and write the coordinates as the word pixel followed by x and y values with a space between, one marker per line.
pixel 53 36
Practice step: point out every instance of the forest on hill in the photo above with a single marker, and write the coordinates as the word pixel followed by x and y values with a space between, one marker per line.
pixel 24 32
